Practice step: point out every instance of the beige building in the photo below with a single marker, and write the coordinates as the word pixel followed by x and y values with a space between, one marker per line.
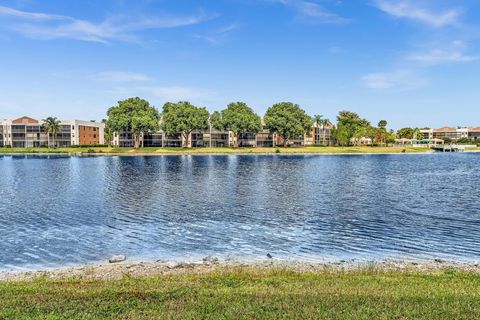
pixel 26 132
pixel 452 133
pixel 318 135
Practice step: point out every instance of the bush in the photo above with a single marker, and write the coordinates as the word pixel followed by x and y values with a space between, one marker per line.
pixel 466 141
pixel 90 146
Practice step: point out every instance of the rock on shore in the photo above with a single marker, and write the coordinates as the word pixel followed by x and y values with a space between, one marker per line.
pixel 117 259
pixel 120 269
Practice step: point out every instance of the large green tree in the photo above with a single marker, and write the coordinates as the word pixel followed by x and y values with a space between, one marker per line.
pixel 348 124
pixel 405 133
pixel 184 118
pixel 365 132
pixel 410 133
pixel 382 135
pixel 237 118
pixel 287 120
pixel 134 115
pixel 382 124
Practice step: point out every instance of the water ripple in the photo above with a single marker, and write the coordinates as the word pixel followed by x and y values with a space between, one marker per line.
pixel 67 210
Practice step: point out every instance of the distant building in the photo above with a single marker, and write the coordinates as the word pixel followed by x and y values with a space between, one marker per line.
pixel 419 142
pixel 26 132
pixel 452 133
pixel 318 135
pixel 474 133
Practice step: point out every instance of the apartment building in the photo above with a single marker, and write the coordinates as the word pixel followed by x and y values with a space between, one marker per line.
pixel 318 135
pixel 474 133
pixel 26 132
pixel 452 133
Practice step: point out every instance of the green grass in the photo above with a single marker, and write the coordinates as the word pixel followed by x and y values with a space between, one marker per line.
pixel 159 151
pixel 250 294
pixel 473 149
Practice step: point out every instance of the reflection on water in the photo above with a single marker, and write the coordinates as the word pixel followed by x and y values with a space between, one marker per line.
pixel 72 210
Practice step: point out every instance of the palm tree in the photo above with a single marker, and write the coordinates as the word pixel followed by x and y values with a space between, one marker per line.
pixel 51 126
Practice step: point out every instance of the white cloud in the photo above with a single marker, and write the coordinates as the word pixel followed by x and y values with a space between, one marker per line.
pixel 406 9
pixel 216 36
pixel 120 76
pixel 453 53
pixel 6 11
pixel 115 28
pixel 313 12
pixel 317 13
pixel 439 56
pixel 399 80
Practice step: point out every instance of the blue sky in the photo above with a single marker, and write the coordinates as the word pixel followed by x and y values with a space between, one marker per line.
pixel 412 62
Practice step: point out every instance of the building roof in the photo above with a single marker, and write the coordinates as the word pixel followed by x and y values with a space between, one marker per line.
pixel 25 120
pixel 446 129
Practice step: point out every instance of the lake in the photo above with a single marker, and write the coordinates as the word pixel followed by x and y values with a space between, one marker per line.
pixel 60 210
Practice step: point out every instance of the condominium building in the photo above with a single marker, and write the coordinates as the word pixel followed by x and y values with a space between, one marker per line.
pixel 474 133
pixel 318 135
pixel 26 132
pixel 452 133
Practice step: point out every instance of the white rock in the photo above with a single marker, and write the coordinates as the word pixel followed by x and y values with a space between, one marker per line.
pixel 116 259
pixel 172 265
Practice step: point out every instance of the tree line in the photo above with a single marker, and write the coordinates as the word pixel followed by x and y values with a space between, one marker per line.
pixel 137 116
pixel 286 119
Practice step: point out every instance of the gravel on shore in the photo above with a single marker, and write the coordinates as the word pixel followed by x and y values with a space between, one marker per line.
pixel 136 269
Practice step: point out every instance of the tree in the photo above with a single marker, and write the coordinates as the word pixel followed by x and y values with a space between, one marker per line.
pixel 134 115
pixel 405 133
pixel 51 126
pixel 237 118
pixel 348 125
pixel 184 118
pixel 108 133
pixel 288 120
pixel 365 132
pixel 417 134
pixel 382 135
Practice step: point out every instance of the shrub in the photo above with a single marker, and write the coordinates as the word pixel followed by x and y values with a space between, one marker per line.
pixel 466 141
pixel 90 146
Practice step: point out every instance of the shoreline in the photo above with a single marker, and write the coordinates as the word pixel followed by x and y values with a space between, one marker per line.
pixel 141 269
pixel 153 152
pixel 171 154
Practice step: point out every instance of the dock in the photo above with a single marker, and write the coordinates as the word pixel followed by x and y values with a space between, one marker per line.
pixel 448 148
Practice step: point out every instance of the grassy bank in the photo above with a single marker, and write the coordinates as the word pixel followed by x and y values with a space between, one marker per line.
pixel 250 294
pixel 159 151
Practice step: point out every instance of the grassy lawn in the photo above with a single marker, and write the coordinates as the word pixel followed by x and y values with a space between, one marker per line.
pixel 249 294
pixel 316 150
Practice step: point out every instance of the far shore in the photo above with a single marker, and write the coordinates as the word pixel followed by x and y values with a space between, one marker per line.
pixel 314 150
pixel 133 268
pixel 311 150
